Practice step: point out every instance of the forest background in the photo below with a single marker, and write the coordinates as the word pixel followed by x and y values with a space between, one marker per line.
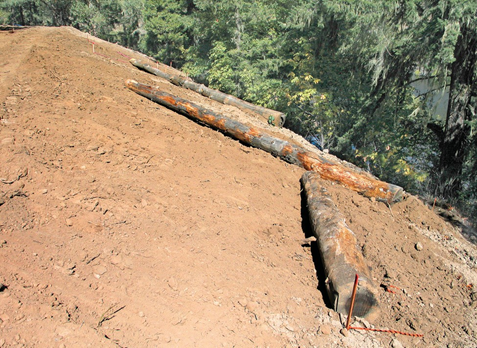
pixel 388 85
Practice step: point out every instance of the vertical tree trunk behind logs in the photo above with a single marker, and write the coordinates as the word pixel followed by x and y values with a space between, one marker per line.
pixel 339 252
pixel 355 180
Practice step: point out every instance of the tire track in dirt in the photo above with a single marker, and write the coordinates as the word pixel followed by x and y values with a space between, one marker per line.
pixel 14 49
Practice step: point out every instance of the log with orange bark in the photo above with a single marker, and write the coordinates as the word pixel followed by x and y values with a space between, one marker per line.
pixel 339 251
pixel 269 116
pixel 350 177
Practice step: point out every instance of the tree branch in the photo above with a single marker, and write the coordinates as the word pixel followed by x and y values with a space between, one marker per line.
pixel 433 90
pixel 422 78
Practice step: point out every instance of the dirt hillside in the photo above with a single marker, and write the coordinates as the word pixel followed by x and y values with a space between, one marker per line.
pixel 124 224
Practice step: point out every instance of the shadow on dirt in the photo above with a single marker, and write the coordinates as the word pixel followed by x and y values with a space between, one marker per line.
pixel 454 217
pixel 319 267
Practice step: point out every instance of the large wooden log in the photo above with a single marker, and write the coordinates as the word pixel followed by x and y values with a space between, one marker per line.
pixel 356 180
pixel 11 28
pixel 339 252
pixel 273 117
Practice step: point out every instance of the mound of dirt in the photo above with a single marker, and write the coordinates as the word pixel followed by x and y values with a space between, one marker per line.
pixel 125 224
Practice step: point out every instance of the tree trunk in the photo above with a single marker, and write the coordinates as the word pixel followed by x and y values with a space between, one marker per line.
pixel 459 112
pixel 354 179
pixel 21 16
pixel 339 251
pixel 273 117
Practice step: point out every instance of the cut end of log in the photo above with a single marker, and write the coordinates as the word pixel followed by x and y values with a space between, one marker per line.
pixel 133 61
pixel 366 300
pixel 130 83
pixel 397 193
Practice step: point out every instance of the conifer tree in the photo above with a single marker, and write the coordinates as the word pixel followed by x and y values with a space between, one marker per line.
pixel 404 41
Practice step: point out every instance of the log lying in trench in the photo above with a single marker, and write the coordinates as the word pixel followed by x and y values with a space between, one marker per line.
pixel 355 180
pixel 273 117
pixel 339 252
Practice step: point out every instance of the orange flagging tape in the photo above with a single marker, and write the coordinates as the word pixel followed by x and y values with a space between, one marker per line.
pixel 124 55
pixel 348 327
pixel 389 287
pixel 384 330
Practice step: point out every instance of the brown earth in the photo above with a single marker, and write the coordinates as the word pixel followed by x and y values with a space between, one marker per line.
pixel 125 224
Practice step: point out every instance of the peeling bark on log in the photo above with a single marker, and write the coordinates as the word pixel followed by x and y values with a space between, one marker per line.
pixel 339 252
pixel 355 180
pixel 273 117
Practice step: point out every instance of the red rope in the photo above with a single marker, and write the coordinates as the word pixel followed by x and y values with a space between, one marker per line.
pixel 353 297
pixel 108 57
pixel 124 55
pixel 385 330
pixel 389 287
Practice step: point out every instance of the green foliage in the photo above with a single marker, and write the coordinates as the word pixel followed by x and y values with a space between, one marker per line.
pixel 113 20
pixel 316 114
pixel 4 17
pixel 168 26
pixel 38 12
pixel 397 148
pixel 221 74
pixel 21 12
pixel 128 30
pixel 88 19
pixel 235 47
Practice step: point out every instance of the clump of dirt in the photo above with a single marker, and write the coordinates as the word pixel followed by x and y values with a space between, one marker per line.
pixel 125 224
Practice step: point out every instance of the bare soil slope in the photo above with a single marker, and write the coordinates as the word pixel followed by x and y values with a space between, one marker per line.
pixel 125 224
